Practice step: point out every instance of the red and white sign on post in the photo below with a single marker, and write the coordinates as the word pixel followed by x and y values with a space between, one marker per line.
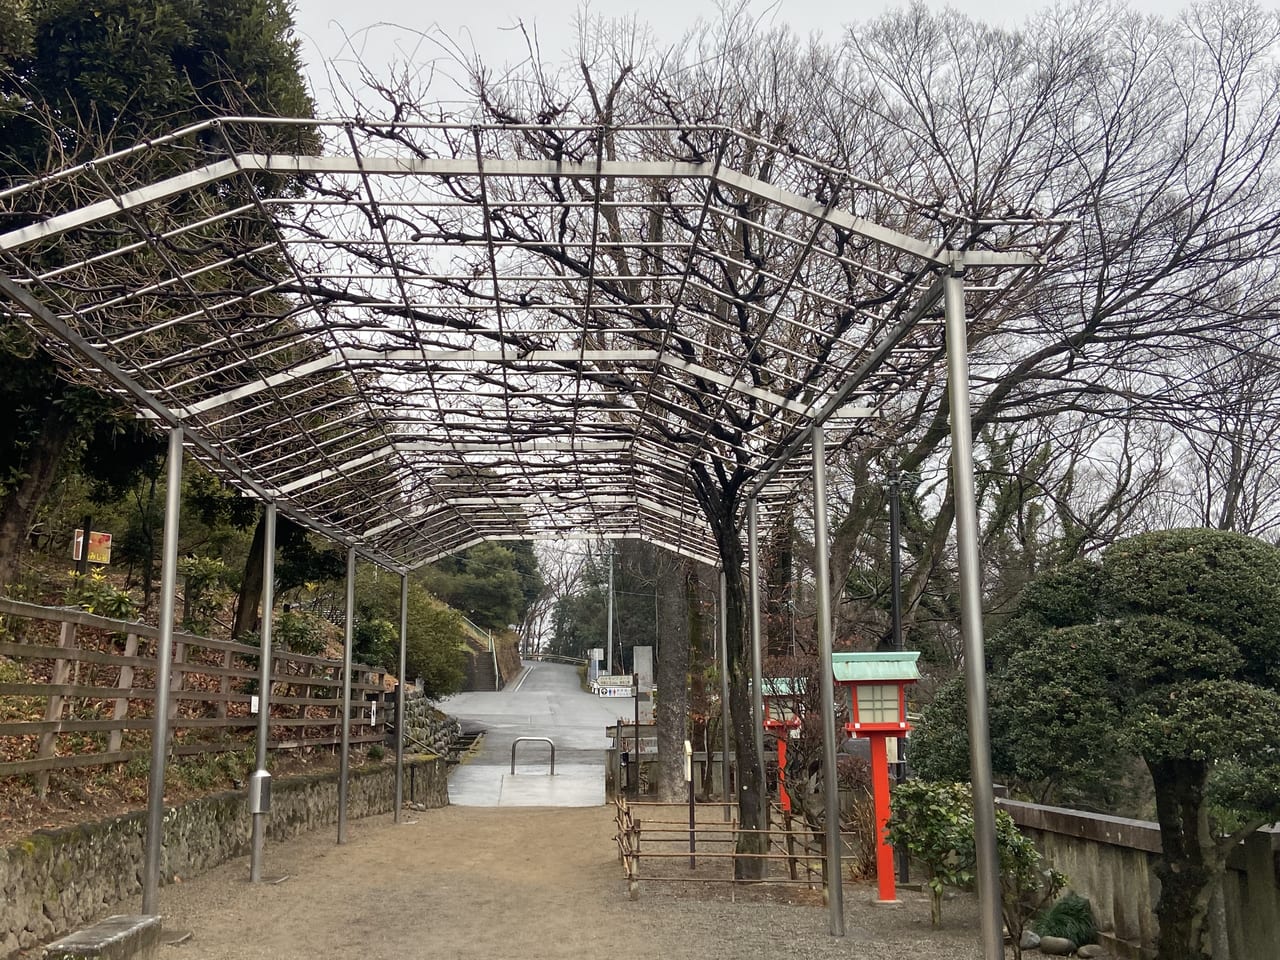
pixel 99 546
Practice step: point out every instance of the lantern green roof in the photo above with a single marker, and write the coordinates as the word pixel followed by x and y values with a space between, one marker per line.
pixel 894 665
pixel 781 686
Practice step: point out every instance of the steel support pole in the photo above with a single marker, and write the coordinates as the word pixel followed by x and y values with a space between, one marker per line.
pixel 984 816
pixel 400 717
pixel 344 759
pixel 164 668
pixel 726 715
pixel 822 588
pixel 258 783
pixel 895 601
pixel 757 654
pixel 608 629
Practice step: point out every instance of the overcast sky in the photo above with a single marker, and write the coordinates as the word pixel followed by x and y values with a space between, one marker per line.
pixel 379 31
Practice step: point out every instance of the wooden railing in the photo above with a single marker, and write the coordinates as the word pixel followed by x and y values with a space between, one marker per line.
pixel 92 680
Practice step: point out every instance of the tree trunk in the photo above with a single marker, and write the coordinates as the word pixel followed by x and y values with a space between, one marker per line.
pixel 1187 868
pixel 251 583
pixel 751 814
pixel 671 712
pixel 18 511
pixel 779 603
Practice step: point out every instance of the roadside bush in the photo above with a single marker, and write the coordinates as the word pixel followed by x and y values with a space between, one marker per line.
pixel 95 593
pixel 933 822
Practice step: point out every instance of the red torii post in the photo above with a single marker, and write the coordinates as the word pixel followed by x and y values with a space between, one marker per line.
pixel 877 684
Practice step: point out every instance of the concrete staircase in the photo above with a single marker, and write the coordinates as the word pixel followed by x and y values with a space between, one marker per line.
pixel 481 676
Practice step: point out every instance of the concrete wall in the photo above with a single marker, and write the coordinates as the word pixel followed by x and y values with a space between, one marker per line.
pixel 1110 860
pixel 56 881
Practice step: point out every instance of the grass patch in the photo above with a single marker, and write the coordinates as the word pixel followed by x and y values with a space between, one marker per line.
pixel 1070 917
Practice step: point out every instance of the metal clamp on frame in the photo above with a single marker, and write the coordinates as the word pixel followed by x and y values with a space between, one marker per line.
pixel 260 792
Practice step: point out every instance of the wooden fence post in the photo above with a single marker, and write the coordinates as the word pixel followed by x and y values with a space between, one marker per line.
pixel 53 709
pixel 175 685
pixel 224 686
pixel 121 708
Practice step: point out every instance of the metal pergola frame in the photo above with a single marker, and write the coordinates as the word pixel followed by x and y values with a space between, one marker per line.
pixel 416 337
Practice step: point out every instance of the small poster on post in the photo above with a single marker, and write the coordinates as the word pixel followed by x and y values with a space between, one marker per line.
pixel 99 546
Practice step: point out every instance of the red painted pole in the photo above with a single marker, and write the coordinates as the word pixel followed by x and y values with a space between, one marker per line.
pixel 784 798
pixel 880 790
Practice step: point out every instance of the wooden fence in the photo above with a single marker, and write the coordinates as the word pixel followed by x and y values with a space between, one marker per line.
pixel 795 854
pixel 92 681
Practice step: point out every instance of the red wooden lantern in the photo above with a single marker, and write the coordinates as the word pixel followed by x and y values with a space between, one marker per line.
pixel 874 686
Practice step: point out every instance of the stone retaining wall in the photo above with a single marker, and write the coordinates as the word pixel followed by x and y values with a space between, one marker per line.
pixel 427 728
pixel 1110 860
pixel 55 881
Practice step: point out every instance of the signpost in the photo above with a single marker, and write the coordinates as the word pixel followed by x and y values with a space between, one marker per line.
pixel 99 546
pixel 614 685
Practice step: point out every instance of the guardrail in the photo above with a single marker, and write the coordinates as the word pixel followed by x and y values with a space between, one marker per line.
pixel 533 740
pixel 93 688
pixel 556 658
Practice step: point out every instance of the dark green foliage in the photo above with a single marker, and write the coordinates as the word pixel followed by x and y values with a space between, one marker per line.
pixel 303 559
pixel 214 503
pixel 433 649
pixel 1174 661
pixel 1070 917
pixel 1224 582
pixel 579 620
pixel 117 455
pixel 1063 597
pixel 377 642
pixel 78 80
pixel 298 632
pixel 492 583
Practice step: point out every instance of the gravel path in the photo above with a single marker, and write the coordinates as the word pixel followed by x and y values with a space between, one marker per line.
pixel 529 883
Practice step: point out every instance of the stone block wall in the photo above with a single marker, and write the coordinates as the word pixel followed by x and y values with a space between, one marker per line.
pixel 56 881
